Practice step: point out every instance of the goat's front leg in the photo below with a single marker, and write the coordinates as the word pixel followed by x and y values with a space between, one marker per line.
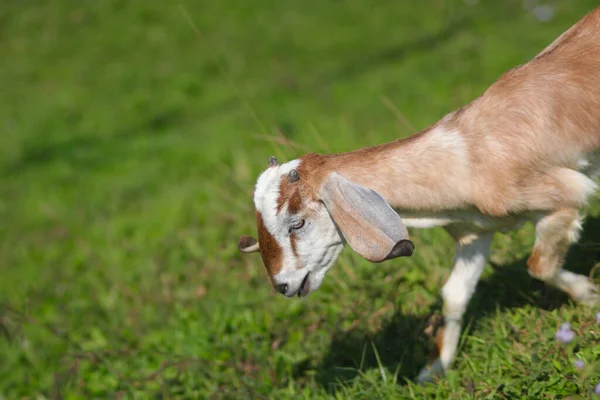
pixel 472 251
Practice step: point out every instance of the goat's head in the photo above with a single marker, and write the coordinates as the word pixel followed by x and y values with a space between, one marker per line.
pixel 303 222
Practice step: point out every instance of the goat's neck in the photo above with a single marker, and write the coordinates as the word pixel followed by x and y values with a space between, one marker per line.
pixel 427 171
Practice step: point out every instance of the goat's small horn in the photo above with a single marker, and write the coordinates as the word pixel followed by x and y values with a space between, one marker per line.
pixel 293 176
pixel 273 162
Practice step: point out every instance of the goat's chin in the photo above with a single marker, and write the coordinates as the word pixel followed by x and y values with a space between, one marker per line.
pixel 310 290
pixel 316 280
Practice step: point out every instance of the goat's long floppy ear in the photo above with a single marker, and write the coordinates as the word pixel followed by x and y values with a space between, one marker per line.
pixel 369 225
pixel 247 244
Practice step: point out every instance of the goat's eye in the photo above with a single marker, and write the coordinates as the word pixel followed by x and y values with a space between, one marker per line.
pixel 298 225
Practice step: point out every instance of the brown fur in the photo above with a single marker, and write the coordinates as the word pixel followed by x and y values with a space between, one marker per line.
pixel 533 263
pixel 289 194
pixel 270 251
pixel 435 330
pixel 439 340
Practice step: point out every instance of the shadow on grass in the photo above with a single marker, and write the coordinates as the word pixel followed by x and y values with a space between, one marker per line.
pixel 402 344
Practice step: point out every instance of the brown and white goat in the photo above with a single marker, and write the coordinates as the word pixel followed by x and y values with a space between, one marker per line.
pixel 526 150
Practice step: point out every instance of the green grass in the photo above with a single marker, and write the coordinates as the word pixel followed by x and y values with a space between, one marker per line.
pixel 129 149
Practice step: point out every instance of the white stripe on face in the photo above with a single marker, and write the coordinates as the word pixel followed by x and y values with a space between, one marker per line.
pixel 266 197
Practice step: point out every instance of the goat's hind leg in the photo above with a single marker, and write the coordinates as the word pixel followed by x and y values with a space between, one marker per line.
pixel 554 234
pixel 472 251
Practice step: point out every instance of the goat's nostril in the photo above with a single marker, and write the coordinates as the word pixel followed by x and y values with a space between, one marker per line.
pixel 282 288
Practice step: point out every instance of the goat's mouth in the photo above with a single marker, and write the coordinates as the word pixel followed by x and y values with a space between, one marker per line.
pixel 304 288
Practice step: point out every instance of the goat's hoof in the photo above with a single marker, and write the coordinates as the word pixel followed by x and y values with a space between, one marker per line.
pixel 430 373
pixel 586 293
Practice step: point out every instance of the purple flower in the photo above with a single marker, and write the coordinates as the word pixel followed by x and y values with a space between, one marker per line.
pixel 579 364
pixel 598 317
pixel 597 388
pixel 565 334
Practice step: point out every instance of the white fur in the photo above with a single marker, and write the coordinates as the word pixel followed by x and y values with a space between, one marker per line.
pixel 266 193
pixel 474 218
pixel 319 245
pixel 577 182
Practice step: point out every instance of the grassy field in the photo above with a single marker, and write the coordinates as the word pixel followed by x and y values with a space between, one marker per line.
pixel 129 149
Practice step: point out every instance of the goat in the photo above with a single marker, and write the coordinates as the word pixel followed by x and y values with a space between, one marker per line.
pixel 526 150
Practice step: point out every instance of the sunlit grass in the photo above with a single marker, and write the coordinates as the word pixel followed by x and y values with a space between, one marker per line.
pixel 129 152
